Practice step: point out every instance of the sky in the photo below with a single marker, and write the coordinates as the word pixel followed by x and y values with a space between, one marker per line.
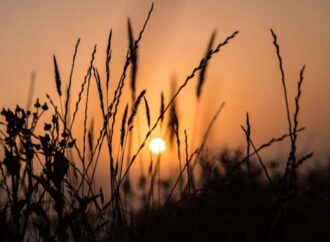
pixel 244 74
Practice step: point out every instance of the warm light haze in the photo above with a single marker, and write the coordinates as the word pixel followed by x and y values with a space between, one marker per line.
pixel 165 120
pixel 245 75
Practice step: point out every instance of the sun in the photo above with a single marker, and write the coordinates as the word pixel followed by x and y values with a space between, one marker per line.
pixel 157 145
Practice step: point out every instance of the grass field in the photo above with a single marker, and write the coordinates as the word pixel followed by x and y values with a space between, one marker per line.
pixel 48 185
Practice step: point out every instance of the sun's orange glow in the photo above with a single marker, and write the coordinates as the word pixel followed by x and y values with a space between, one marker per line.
pixel 244 74
pixel 157 145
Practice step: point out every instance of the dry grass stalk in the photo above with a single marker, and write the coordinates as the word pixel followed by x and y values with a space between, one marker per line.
pixel 91 137
pixel 147 111
pixel 107 65
pixel 86 115
pixel 259 158
pixel 201 77
pixel 162 104
pixel 187 163
pixel 57 77
pixel 133 58
pixel 175 129
pixel 123 126
pixel 88 74
pixel 280 62
pixel 248 133
pixel 295 127
pixel 99 89
pixel 68 91
pixel 135 108
pixel 292 159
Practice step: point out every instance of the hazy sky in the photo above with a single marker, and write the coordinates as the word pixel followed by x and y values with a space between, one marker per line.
pixel 245 74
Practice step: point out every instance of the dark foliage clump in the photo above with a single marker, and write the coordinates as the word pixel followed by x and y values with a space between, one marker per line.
pixel 241 207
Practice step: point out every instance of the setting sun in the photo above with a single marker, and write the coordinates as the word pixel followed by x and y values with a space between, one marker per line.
pixel 157 145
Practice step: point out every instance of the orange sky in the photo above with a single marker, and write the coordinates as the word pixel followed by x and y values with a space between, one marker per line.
pixel 245 74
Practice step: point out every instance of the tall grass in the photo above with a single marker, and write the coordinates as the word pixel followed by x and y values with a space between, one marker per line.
pixel 63 202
